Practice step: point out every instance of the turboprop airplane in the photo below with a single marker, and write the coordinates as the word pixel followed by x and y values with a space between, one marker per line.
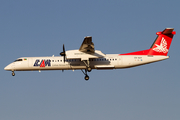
pixel 87 58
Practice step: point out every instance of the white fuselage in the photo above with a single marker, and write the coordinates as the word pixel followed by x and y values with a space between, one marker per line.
pixel 109 61
pixel 87 58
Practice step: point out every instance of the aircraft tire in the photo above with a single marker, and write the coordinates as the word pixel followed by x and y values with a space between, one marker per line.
pixel 89 69
pixel 86 77
pixel 13 74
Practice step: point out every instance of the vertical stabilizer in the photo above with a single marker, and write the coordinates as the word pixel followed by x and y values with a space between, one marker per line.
pixel 162 43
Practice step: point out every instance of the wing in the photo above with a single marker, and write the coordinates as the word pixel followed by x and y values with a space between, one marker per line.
pixel 85 52
pixel 87 45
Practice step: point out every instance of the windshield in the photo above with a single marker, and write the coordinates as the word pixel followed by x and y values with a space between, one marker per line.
pixel 18 60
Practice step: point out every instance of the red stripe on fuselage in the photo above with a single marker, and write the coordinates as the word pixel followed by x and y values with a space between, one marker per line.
pixel 143 52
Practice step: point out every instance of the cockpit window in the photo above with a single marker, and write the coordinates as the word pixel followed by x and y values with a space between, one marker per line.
pixel 18 60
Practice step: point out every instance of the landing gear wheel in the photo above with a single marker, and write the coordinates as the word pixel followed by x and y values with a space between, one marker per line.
pixel 89 69
pixel 86 77
pixel 85 73
pixel 13 74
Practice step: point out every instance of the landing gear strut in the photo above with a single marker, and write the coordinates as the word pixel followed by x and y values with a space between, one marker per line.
pixel 86 75
pixel 88 69
pixel 13 74
pixel 86 62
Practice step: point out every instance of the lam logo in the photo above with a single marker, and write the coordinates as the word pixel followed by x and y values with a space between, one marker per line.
pixel 42 63
pixel 162 47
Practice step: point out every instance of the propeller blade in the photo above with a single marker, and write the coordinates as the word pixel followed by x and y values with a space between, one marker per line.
pixel 64 59
pixel 63 53
pixel 63 48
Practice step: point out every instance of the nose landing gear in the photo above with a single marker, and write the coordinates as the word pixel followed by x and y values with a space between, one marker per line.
pixel 13 74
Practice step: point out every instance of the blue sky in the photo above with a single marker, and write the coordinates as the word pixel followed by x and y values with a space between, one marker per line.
pixel 40 28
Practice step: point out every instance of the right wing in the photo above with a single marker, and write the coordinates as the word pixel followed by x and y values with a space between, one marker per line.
pixel 87 45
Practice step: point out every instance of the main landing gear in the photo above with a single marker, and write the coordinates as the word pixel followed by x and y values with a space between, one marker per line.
pixel 13 74
pixel 86 75
pixel 88 69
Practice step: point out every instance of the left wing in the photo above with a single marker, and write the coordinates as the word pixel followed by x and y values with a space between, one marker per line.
pixel 87 45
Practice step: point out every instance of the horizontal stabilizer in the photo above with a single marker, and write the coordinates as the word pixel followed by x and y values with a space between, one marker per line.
pixel 168 31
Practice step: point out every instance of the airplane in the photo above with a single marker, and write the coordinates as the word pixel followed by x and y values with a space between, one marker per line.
pixel 87 58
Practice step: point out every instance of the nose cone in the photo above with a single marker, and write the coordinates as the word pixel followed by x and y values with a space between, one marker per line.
pixel 8 67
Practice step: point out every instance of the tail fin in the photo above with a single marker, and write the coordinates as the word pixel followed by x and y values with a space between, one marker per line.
pixel 160 46
pixel 162 43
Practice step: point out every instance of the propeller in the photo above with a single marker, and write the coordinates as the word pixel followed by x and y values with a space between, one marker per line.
pixel 63 53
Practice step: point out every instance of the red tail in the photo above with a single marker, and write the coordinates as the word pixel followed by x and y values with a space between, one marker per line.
pixel 162 43
pixel 160 46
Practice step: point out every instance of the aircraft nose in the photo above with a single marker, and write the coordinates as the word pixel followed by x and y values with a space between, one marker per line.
pixel 8 67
